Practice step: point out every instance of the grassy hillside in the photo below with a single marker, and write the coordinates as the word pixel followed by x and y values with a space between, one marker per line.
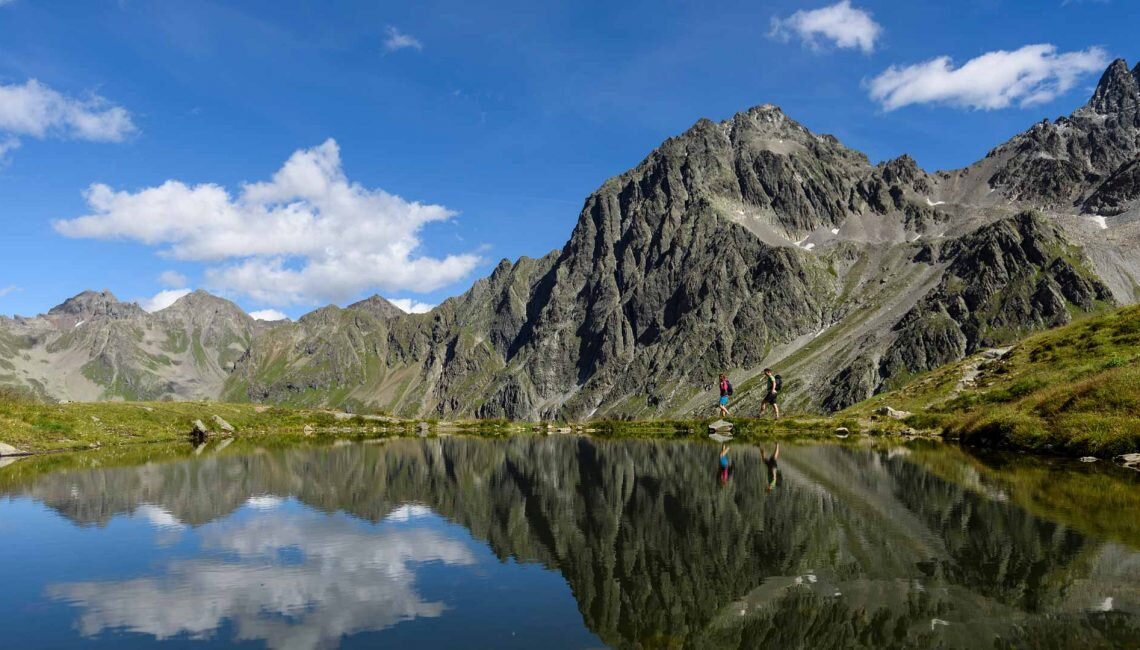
pixel 32 425
pixel 1073 390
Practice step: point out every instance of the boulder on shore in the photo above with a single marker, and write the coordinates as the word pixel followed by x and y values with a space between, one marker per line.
pixel 722 426
pixel 893 413
pixel 198 431
pixel 223 425
pixel 9 450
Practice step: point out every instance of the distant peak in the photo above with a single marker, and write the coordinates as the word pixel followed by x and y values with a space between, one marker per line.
pixel 201 301
pixel 201 296
pixel 1118 90
pixel 90 304
pixel 377 305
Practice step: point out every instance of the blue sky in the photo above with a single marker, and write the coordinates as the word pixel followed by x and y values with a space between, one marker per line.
pixel 145 145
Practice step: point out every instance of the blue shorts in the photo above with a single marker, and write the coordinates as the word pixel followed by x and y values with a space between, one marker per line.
pixel 724 400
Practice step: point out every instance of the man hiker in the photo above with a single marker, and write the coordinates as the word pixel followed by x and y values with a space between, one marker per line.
pixel 725 391
pixel 773 383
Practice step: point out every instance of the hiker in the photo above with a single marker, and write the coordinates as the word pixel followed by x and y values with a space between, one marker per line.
pixel 773 468
pixel 725 391
pixel 774 386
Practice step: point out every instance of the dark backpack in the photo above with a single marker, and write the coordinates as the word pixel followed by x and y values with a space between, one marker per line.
pixel 779 382
pixel 729 391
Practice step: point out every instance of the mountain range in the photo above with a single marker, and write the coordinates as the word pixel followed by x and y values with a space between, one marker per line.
pixel 651 545
pixel 734 246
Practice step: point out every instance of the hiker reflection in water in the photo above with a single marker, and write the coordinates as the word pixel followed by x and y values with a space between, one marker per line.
pixel 773 467
pixel 724 463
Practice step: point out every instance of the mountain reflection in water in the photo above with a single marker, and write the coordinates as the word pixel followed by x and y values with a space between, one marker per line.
pixel 856 547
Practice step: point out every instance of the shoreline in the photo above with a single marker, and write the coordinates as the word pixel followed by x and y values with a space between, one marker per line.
pixel 36 428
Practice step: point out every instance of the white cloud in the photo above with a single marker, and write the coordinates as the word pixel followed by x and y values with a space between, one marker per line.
pixel 8 289
pixel 410 306
pixel 268 314
pixel 37 111
pixel 173 279
pixel 163 299
pixel 1034 74
pixel 397 40
pixel 308 235
pixel 841 24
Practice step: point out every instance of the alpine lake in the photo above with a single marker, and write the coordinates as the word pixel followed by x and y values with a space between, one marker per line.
pixel 566 541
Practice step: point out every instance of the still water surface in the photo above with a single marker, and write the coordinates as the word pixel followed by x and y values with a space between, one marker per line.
pixel 566 542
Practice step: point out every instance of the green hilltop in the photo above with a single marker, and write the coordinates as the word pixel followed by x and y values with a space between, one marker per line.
pixel 1073 390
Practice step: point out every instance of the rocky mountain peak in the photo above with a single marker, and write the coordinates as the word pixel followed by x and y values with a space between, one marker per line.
pixel 377 306
pixel 1118 90
pixel 93 304
pixel 204 302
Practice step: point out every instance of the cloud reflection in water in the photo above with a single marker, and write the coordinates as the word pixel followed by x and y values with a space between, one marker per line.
pixel 348 579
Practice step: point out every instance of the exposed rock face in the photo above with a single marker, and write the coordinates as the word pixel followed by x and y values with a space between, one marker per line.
pixel 736 245
pixel 1058 164
pixel 1117 193
pixel 91 304
pixel 1003 281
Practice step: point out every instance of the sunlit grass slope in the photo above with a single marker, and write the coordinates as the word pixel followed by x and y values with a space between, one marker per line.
pixel 1072 390
pixel 32 425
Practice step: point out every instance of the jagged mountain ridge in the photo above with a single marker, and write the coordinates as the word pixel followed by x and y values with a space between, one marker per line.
pixel 736 245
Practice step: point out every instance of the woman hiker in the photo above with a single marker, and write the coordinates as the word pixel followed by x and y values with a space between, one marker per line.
pixel 725 391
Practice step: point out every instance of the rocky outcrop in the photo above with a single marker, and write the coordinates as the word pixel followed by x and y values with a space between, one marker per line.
pixel 1002 281
pixel 1057 164
pixel 90 305
pixel 1118 193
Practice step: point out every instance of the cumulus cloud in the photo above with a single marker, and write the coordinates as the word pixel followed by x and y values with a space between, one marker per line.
pixel 348 580
pixel 163 299
pixel 268 314
pixel 397 40
pixel 840 24
pixel 410 306
pixel 173 279
pixel 32 109
pixel 1032 75
pixel 305 236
